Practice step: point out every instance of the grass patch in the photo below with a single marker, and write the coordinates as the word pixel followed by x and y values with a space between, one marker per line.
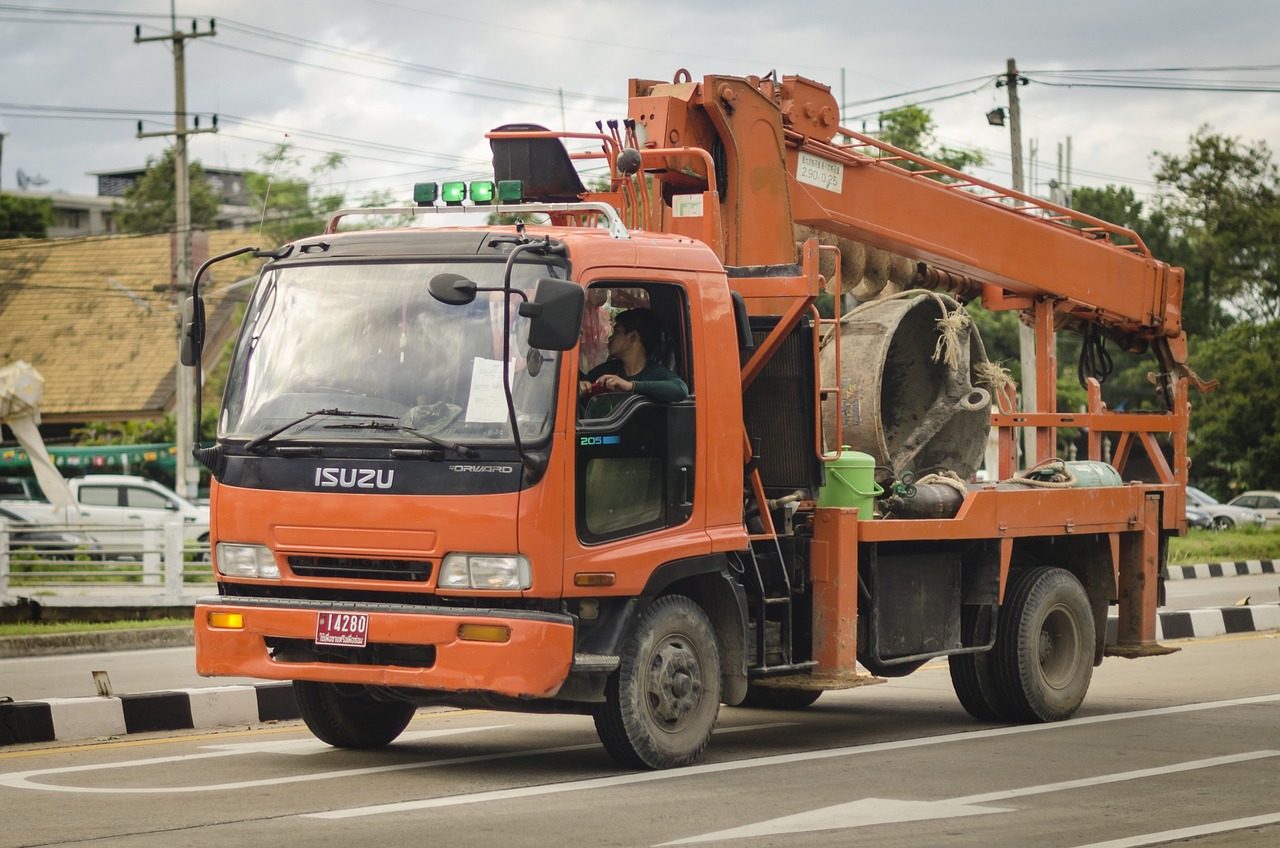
pixel 30 629
pixel 27 628
pixel 1225 546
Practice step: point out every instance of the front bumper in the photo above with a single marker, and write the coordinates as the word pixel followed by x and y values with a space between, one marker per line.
pixel 533 663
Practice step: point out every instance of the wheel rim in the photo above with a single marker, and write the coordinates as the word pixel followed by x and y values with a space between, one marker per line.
pixel 1059 647
pixel 1222 523
pixel 673 684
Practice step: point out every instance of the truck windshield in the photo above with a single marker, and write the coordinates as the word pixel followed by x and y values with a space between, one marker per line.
pixel 370 339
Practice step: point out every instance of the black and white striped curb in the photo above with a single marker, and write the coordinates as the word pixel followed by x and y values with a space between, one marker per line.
pixel 61 719
pixel 1202 623
pixel 1239 568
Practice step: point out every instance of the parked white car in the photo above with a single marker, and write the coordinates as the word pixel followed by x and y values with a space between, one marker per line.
pixel 1225 516
pixel 105 502
pixel 1267 503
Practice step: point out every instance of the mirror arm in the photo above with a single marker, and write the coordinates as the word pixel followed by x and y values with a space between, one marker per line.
pixel 533 244
pixel 206 457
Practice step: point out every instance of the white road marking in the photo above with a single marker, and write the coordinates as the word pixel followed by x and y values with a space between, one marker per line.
pixel 26 779
pixel 777 759
pixel 869 811
pixel 1167 836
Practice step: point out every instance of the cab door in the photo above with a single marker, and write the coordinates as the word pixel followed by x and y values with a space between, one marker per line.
pixel 634 468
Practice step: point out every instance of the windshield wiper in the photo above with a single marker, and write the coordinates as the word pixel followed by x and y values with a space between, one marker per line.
pixel 257 442
pixel 460 450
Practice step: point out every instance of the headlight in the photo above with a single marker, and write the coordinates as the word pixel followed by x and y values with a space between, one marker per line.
pixel 246 561
pixel 485 571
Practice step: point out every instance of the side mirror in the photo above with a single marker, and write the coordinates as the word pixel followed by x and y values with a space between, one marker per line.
pixel 192 341
pixel 555 314
pixel 453 289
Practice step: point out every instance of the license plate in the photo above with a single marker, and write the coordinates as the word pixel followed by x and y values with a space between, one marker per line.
pixel 342 628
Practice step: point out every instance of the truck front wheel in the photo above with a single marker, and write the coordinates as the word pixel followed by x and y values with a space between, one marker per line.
pixel 661 704
pixel 1044 648
pixel 347 716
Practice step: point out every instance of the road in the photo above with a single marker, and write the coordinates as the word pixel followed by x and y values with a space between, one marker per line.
pixel 1179 747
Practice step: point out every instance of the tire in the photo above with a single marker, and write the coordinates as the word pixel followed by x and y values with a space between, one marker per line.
pixel 973 680
pixel 661 704
pixel 1043 656
pixel 780 698
pixel 347 716
pixel 1222 522
pixel 973 675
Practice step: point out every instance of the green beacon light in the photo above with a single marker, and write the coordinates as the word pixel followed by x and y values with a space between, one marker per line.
pixel 482 191
pixel 510 191
pixel 425 194
pixel 453 193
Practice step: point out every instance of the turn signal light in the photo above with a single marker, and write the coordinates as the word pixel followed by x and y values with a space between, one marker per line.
pixel 226 620
pixel 594 578
pixel 484 633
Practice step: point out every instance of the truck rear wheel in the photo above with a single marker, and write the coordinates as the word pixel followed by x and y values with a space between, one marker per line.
pixel 347 716
pixel 1043 656
pixel 973 679
pixel 973 675
pixel 661 704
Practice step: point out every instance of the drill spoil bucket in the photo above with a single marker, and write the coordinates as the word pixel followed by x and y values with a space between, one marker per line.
pixel 908 385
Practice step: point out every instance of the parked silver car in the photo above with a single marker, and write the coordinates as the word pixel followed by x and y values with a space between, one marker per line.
pixel 1225 516
pixel 1267 503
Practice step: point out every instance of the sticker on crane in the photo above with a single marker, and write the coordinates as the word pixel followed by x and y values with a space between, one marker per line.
pixel 687 206
pixel 823 173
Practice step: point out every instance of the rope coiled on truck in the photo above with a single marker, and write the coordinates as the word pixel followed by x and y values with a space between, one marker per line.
pixel 1054 474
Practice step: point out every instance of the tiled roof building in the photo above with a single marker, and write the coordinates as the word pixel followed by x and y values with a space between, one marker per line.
pixel 98 318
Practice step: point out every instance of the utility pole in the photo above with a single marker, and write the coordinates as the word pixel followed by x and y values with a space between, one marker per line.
pixel 188 476
pixel 1026 335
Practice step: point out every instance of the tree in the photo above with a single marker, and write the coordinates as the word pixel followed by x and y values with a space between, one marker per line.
pixel 912 128
pixel 289 209
pixel 150 203
pixel 25 217
pixel 1236 443
pixel 1223 197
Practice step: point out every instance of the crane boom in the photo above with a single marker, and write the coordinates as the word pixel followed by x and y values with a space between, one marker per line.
pixel 778 164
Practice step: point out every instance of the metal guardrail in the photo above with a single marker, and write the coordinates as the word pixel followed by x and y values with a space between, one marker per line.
pixel 102 565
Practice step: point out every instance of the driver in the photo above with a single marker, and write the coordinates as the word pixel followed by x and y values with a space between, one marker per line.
pixel 636 337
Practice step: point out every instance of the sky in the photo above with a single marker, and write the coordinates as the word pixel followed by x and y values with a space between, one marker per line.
pixel 406 89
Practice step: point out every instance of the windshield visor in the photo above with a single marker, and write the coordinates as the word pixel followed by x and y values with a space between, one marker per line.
pixel 369 339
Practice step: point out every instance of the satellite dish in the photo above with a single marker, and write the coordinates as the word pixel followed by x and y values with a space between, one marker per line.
pixel 26 181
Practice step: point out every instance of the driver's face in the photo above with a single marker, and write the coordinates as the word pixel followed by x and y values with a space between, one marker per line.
pixel 618 339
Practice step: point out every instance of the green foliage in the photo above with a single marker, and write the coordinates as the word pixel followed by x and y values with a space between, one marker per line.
pixel 25 217
pixel 292 206
pixel 912 128
pixel 150 203
pixel 145 432
pixel 43 629
pixel 1237 444
pixel 1223 197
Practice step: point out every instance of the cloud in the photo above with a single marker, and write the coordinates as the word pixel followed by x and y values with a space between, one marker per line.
pixel 407 89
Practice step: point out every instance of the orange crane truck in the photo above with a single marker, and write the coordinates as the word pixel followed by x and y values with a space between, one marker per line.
pixel 418 497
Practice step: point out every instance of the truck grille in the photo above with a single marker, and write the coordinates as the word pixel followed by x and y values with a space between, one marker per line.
pixel 353 568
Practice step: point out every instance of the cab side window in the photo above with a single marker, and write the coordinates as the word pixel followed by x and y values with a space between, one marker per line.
pixel 635 454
